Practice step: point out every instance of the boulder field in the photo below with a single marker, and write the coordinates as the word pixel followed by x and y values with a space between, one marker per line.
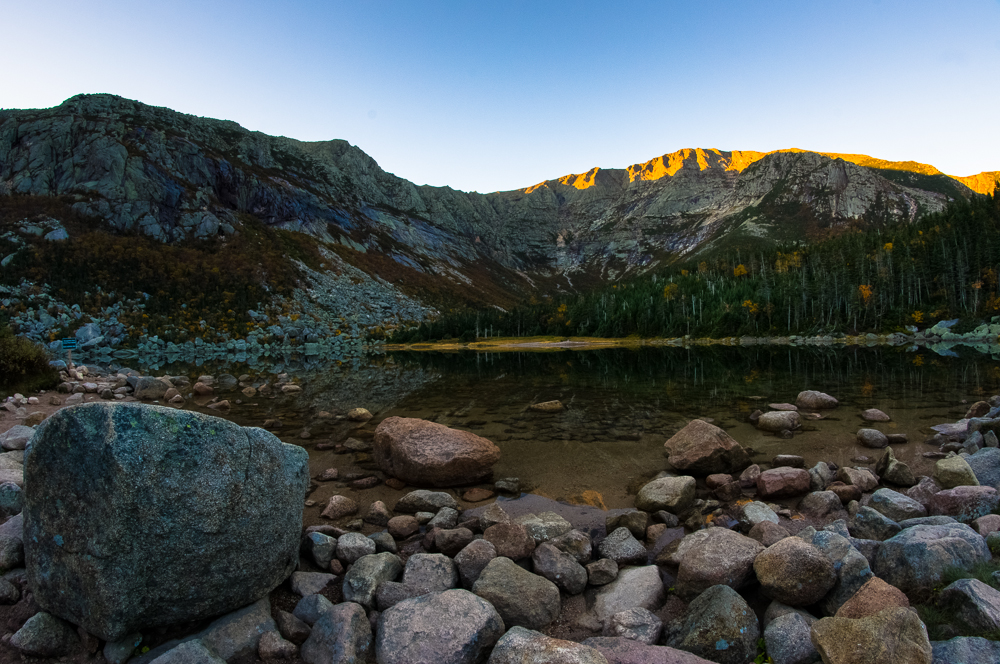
pixel 147 534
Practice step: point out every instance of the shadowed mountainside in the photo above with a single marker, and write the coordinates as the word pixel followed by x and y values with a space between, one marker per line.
pixel 175 177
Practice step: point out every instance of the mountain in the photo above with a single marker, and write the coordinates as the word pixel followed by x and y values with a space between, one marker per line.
pixel 127 168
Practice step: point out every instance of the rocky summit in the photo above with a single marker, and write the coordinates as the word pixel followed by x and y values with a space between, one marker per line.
pixel 126 167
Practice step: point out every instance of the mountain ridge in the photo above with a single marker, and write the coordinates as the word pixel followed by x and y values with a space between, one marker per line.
pixel 173 177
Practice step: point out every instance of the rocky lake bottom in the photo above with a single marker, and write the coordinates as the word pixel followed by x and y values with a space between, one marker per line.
pixel 580 433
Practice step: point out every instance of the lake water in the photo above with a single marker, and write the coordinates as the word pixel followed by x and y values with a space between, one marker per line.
pixel 621 405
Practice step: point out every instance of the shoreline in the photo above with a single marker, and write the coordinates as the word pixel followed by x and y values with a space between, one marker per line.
pixel 989 343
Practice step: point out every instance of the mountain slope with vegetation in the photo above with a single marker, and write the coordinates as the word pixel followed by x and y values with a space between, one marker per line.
pixel 881 279
pixel 194 227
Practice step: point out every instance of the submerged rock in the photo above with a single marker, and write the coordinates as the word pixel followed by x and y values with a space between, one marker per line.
pixel 171 497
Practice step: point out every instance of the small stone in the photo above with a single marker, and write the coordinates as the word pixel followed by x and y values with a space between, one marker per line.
pixel 477 495
pixel 402 527
pixel 359 415
pixel 874 415
pixel 602 572
pixel 291 627
pixel 272 646
pixel 547 407
pixel 339 507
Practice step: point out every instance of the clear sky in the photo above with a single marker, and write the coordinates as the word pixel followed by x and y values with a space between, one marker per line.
pixel 488 96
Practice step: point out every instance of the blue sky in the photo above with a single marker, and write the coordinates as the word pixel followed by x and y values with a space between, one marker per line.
pixel 500 95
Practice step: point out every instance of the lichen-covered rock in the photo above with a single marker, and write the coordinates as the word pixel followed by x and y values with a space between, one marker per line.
pixel 966 650
pixel 170 496
pixel 621 547
pixel 715 556
pixel 718 625
pixel 891 636
pixel 954 471
pixel 673 494
pixel 560 568
pixel 521 598
pixel 430 454
pixel 787 640
pixel 449 627
pixel 794 572
pixel 915 560
pixel 871 524
pixel 852 567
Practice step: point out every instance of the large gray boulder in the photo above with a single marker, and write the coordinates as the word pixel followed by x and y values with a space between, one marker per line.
pixel 521 598
pixel 915 560
pixel 137 516
pixel 449 627
pixel 718 625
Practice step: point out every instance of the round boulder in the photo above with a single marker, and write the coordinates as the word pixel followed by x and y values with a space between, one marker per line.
pixel 430 454
pixel 794 572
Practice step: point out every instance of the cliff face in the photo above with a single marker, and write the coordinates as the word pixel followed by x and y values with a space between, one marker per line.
pixel 173 176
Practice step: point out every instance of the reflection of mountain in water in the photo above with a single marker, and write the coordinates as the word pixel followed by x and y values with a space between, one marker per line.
pixel 658 377
pixel 378 384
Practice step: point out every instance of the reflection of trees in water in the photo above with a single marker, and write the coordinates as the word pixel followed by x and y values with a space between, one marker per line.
pixel 663 378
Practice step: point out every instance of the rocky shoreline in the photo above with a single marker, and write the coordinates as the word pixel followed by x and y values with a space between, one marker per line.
pixel 721 560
